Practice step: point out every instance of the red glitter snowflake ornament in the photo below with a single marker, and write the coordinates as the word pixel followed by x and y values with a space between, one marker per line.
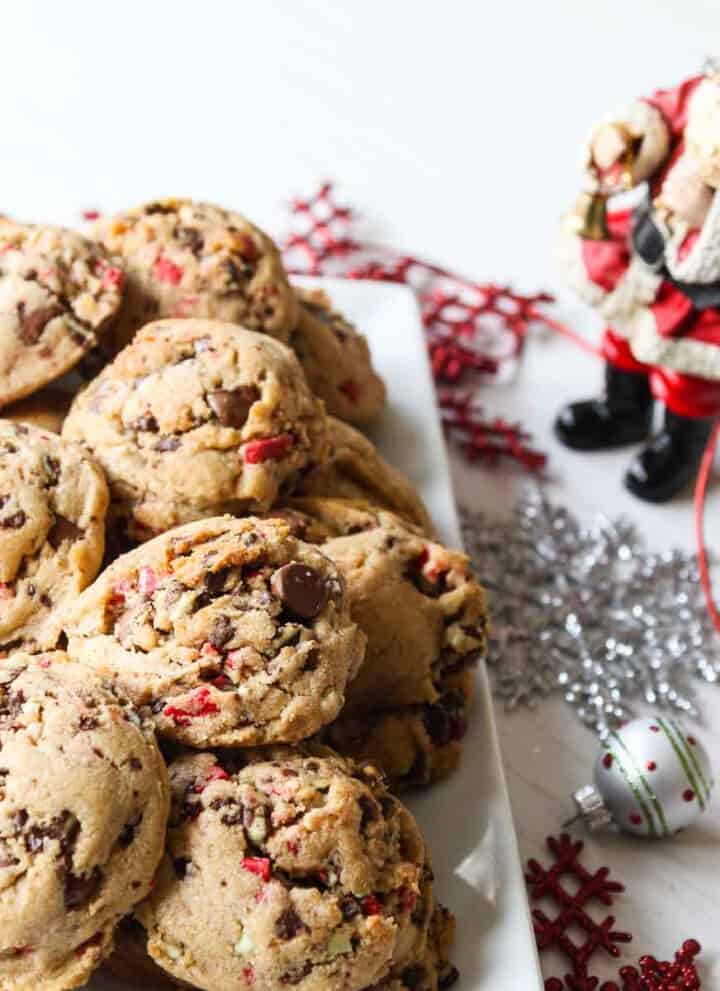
pixel 546 883
pixel 475 331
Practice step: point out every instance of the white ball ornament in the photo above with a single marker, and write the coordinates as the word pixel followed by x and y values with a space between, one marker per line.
pixel 652 778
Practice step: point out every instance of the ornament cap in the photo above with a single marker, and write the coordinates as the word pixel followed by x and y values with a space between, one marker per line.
pixel 591 808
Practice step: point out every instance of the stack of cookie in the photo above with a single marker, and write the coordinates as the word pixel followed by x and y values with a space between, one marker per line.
pixel 207 559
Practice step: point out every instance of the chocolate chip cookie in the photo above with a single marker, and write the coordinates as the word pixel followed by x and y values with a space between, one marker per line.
pixel 228 631
pixel 354 469
pixel 58 295
pixel 197 418
pixel 423 613
pixel 187 259
pixel 336 359
pixel 415 744
pixel 53 499
pixel 83 806
pixel 287 869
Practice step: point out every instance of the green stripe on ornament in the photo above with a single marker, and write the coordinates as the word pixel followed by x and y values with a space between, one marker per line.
pixel 647 810
pixel 655 802
pixel 707 785
pixel 681 752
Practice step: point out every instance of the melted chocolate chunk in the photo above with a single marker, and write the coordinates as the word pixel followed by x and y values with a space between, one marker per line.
pixel 14 521
pixel 63 529
pixel 147 422
pixel 167 444
pixel 180 866
pixel 289 924
pixel 192 238
pixel 80 889
pixel 127 835
pixel 31 325
pixel 368 809
pixel 231 406
pixel 221 632
pixel 413 976
pixel 303 591
pixel 350 907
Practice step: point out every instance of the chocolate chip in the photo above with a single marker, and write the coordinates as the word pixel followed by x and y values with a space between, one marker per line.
pixel 289 924
pixel 350 907
pixel 438 725
pixel 14 521
pixel 448 976
pixel 87 723
pixel 302 589
pixel 63 529
pixel 413 976
pixel 31 325
pixel 80 889
pixel 297 974
pixel 368 809
pixel 127 835
pixel 180 866
pixel 135 764
pixel 19 820
pixel 231 406
pixel 167 444
pixel 146 422
pixel 221 632
pixel 192 238
pixel 46 600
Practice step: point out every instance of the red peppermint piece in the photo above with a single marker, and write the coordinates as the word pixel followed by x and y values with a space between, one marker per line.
pixel 167 271
pixel 216 773
pixel 255 452
pixel 91 214
pixel 199 704
pixel 257 865
pixel 407 899
pixel 351 389
pixel 371 906
pixel 147 581
pixel 113 278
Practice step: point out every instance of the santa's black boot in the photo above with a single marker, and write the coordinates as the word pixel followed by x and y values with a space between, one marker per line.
pixel 670 460
pixel 622 416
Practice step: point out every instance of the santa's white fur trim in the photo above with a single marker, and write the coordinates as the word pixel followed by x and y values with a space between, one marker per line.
pixel 678 353
pixel 702 263
pixel 702 134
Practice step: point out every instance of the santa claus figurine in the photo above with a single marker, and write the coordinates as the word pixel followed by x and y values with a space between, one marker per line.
pixel 653 272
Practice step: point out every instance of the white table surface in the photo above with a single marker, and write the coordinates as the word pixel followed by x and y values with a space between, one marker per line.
pixel 456 128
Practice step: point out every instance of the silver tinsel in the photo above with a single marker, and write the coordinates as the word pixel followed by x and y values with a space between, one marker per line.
pixel 589 611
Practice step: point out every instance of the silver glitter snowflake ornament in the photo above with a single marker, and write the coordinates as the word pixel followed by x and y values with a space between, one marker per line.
pixel 587 610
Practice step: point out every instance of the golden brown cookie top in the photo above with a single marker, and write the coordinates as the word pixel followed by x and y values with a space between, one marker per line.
pixel 196 418
pixel 83 808
pixel 230 632
pixel 58 293
pixel 301 869
pixel 53 500
pixel 190 259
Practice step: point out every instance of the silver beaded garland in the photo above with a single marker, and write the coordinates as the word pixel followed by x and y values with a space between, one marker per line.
pixel 589 611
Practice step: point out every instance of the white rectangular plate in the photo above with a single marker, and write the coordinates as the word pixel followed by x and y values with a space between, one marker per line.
pixel 466 819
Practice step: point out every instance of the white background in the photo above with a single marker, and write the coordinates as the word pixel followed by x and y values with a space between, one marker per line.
pixel 455 127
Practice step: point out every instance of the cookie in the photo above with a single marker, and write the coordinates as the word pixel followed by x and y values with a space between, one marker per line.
pixel 433 971
pixel 45 409
pixel 336 360
pixel 197 418
pixel 231 632
pixel 58 295
pixel 415 745
pixel 354 469
pixel 83 808
pixel 317 519
pixel 53 499
pixel 290 869
pixel 422 611
pixel 187 259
